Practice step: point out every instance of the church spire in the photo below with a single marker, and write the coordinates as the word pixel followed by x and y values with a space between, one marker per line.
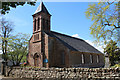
pixel 41 19
pixel 42 8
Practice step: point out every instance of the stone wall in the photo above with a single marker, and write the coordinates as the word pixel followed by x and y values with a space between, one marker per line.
pixel 64 73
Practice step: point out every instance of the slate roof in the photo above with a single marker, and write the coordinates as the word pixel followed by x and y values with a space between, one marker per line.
pixel 74 44
pixel 42 8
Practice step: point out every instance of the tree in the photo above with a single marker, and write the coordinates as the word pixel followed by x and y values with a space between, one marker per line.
pixel 113 52
pixel 7 5
pixel 106 20
pixel 5 33
pixel 18 48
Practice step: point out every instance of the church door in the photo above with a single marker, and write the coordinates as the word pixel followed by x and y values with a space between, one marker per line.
pixel 36 60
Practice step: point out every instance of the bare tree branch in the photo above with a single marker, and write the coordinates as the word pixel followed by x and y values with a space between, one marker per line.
pixel 6 29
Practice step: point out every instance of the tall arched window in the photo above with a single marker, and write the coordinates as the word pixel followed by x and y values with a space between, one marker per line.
pixel 35 25
pixel 38 23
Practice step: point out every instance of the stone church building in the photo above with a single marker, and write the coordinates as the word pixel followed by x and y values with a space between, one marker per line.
pixel 52 49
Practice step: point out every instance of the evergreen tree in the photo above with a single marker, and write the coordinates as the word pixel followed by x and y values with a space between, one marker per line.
pixel 113 52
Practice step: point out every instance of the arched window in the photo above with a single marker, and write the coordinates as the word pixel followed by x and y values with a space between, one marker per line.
pixel 38 23
pixel 35 25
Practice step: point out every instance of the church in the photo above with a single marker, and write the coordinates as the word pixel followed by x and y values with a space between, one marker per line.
pixel 53 49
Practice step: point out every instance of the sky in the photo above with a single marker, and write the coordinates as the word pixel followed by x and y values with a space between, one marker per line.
pixel 67 18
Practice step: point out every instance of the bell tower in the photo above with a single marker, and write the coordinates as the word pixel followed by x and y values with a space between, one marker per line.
pixel 41 24
pixel 41 19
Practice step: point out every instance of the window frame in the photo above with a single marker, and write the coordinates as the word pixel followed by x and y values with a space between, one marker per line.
pixel 83 59
pixel 91 58
pixel 97 58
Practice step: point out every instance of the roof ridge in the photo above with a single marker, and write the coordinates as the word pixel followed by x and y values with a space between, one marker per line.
pixel 67 35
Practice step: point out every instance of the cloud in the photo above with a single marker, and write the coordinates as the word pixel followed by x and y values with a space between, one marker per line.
pixel 76 35
pixel 90 42
pixel 100 48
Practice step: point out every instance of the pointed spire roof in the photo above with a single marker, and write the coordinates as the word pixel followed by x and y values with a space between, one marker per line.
pixel 42 8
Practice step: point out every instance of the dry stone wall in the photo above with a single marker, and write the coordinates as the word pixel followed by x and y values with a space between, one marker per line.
pixel 64 73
